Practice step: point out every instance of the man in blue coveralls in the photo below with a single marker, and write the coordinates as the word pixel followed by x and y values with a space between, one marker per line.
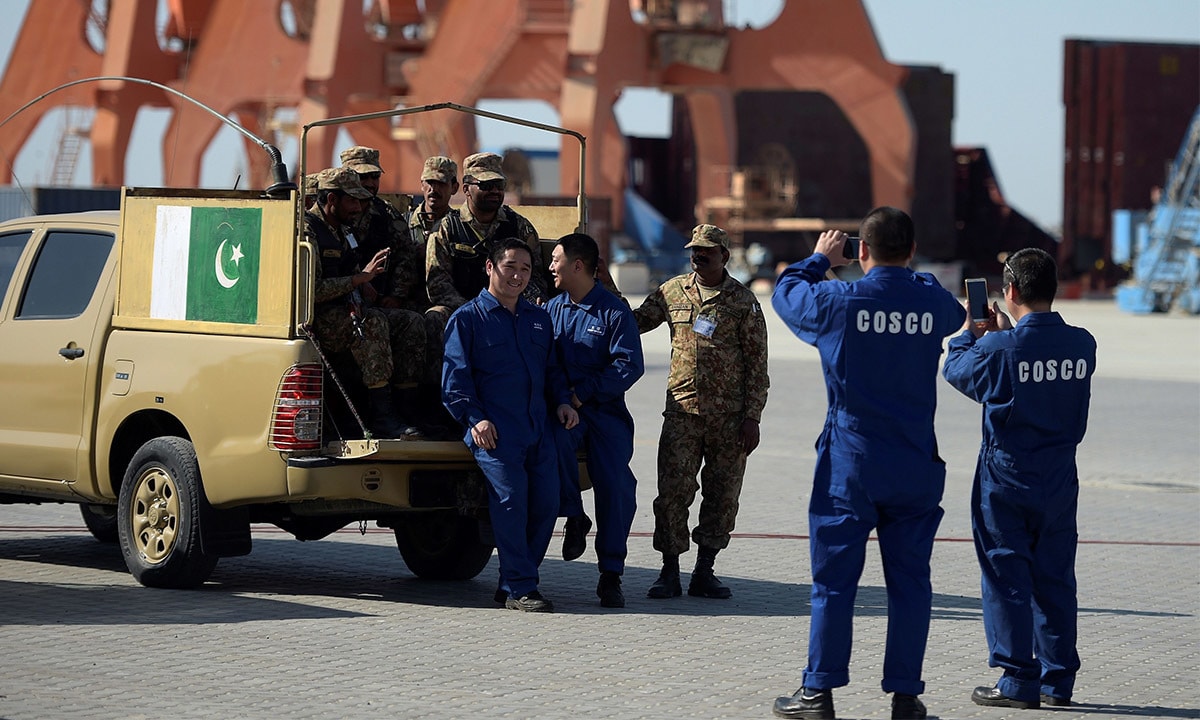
pixel 1034 381
pixel 600 350
pixel 499 370
pixel 877 461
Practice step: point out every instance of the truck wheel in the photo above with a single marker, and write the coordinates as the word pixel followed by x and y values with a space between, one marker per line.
pixel 442 546
pixel 101 521
pixel 158 516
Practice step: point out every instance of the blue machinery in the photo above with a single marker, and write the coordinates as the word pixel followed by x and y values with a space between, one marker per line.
pixel 1164 244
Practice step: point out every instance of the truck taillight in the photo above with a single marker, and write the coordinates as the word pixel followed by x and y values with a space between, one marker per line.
pixel 296 419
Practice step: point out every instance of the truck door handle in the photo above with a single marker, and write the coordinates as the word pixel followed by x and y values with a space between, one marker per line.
pixel 71 353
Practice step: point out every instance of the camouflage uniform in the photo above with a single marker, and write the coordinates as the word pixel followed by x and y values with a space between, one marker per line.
pixel 716 381
pixel 335 299
pixel 380 226
pixel 457 250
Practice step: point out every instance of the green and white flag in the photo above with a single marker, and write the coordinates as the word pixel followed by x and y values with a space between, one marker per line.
pixel 206 262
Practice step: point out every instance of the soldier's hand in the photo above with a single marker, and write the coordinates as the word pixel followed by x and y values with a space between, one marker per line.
pixel 484 434
pixel 378 263
pixel 749 436
pixel 575 401
pixel 567 416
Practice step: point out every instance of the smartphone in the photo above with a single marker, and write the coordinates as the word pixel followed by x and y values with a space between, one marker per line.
pixel 850 248
pixel 977 296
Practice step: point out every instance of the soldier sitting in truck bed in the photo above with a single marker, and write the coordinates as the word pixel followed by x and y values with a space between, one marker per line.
pixel 381 225
pixel 342 321
pixel 457 250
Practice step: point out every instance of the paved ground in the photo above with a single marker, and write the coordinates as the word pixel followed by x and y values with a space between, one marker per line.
pixel 340 628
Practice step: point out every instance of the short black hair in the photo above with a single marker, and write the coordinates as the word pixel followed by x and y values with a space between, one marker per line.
pixel 581 246
pixel 504 245
pixel 888 233
pixel 1034 275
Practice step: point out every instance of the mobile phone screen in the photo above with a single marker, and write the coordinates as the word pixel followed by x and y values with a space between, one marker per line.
pixel 977 296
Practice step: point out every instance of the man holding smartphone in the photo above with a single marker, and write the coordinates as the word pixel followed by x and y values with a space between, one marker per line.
pixel 877 462
pixel 1034 382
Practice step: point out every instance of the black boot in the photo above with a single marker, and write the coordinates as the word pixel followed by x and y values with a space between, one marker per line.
pixel 575 536
pixel 667 585
pixel 704 583
pixel 806 704
pixel 407 408
pixel 383 421
pixel 609 590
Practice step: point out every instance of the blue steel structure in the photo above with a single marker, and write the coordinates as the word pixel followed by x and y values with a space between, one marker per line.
pixel 1164 246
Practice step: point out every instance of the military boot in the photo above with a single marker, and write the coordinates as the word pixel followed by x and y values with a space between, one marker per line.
pixel 704 583
pixel 667 585
pixel 408 408
pixel 383 422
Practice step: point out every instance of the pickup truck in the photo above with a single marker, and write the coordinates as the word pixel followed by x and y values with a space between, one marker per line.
pixel 154 369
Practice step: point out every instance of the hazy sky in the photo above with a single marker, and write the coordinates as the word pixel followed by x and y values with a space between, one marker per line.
pixel 1007 59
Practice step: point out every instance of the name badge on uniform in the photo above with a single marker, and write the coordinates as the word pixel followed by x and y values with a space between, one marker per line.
pixel 461 249
pixel 595 330
pixel 705 325
pixel 351 240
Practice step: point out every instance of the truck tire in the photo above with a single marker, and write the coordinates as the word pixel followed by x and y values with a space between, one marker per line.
pixel 442 546
pixel 101 521
pixel 158 516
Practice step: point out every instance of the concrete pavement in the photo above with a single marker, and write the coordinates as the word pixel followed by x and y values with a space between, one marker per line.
pixel 340 628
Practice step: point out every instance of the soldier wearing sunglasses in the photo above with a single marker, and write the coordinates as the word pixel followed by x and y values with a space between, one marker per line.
pixel 457 251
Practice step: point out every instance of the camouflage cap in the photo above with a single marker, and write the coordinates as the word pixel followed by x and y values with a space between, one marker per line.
pixel 343 179
pixel 709 236
pixel 482 167
pixel 310 183
pixel 440 168
pixel 361 159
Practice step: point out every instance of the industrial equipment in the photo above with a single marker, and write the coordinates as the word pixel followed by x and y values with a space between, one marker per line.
pixel 1166 259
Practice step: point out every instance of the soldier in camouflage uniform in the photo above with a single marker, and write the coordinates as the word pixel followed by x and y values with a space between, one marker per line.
pixel 382 226
pixel 457 250
pixel 716 392
pixel 439 182
pixel 341 319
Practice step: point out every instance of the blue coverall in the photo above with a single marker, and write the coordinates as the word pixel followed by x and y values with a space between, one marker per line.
pixel 877 461
pixel 501 366
pixel 600 350
pixel 1035 385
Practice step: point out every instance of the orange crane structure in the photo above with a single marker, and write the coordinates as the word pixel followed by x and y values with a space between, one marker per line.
pixel 304 60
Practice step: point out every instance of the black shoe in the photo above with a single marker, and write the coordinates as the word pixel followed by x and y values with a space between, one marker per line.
pixel 907 707
pixel 1055 701
pixel 501 596
pixel 705 584
pixel 609 590
pixel 992 697
pixel 531 602
pixel 667 585
pixel 575 536
pixel 807 704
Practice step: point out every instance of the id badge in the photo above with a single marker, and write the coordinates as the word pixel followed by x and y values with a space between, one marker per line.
pixel 351 240
pixel 705 325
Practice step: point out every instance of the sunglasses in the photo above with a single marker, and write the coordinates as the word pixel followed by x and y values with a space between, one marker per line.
pixel 490 185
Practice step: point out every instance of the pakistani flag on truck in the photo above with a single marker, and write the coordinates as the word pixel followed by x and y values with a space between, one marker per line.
pixel 206 262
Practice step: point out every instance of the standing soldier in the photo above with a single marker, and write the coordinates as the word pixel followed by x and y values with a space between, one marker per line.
pixel 716 392
pixel 457 250
pixel 383 226
pixel 341 319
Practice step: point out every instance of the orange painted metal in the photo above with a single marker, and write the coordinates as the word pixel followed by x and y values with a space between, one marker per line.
pixel 578 57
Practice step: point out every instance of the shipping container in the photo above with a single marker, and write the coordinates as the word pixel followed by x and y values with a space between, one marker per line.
pixel 18 202
pixel 1127 106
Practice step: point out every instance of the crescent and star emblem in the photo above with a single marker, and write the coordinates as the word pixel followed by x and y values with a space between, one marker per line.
pixel 222 278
